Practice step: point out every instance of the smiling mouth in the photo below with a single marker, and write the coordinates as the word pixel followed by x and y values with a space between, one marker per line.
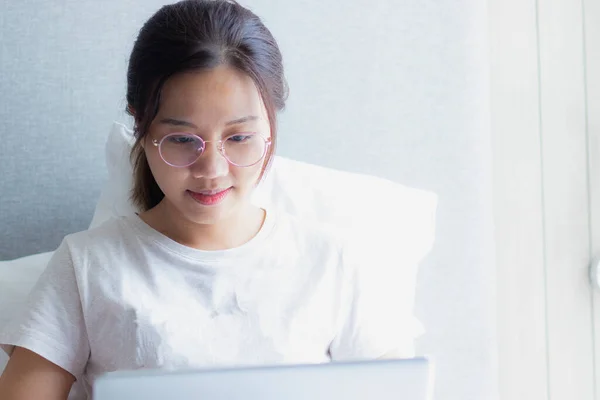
pixel 210 197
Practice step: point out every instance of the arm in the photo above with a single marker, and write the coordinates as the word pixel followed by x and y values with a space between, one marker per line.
pixel 30 376
pixel 46 338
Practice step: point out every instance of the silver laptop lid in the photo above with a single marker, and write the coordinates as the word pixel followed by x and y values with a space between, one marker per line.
pixel 409 379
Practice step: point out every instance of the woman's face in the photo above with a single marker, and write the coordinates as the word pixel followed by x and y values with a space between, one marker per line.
pixel 212 104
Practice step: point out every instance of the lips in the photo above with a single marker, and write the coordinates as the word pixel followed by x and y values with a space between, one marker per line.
pixel 210 197
pixel 209 192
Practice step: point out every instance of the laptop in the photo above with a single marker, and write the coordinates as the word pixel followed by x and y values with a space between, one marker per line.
pixel 408 379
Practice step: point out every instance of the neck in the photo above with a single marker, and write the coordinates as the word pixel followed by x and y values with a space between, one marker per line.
pixel 229 232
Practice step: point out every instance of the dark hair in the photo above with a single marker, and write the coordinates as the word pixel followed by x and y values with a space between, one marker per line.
pixel 195 35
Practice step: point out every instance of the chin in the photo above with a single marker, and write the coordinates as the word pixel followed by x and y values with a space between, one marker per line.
pixel 201 214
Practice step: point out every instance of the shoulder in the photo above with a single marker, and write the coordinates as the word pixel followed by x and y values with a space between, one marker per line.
pixel 308 232
pixel 306 243
pixel 109 239
pixel 112 230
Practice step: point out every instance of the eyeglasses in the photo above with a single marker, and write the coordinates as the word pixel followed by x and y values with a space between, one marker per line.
pixel 183 149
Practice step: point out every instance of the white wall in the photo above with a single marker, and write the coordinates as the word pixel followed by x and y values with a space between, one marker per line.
pixel 393 88
pixel 542 205
pixel 591 23
pixel 400 90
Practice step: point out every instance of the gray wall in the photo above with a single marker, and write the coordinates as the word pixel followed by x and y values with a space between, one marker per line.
pixel 392 88
pixel 62 81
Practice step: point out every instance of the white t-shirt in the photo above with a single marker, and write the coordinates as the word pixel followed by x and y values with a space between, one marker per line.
pixel 124 296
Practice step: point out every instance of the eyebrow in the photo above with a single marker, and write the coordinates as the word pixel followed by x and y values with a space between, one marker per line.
pixel 179 122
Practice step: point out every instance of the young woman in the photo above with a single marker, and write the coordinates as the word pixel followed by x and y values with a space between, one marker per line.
pixel 200 276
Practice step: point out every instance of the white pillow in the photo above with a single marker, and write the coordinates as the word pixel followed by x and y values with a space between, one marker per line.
pixel 400 226
pixel 404 217
pixel 17 277
pixel 389 238
pixel 3 361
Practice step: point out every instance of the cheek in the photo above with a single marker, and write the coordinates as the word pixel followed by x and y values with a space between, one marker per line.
pixel 246 178
pixel 167 177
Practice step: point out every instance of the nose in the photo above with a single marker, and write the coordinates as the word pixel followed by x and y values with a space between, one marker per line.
pixel 211 164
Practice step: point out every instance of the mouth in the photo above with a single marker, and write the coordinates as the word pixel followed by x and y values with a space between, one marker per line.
pixel 210 197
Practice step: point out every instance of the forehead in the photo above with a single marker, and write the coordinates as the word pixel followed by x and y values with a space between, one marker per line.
pixel 216 94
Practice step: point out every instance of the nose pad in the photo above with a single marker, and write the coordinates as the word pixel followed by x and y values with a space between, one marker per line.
pixel 211 164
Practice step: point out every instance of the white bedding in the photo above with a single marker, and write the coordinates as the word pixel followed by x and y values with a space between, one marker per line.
pixel 17 277
pixel 405 216
pixel 3 361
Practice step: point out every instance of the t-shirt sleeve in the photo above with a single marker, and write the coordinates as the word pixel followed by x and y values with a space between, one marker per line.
pixel 376 313
pixel 51 322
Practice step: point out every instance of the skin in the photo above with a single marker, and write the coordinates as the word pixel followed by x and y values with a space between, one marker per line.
pixel 212 104
pixel 203 103
pixel 30 376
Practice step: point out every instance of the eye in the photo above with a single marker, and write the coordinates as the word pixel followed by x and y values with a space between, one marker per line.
pixel 181 139
pixel 240 138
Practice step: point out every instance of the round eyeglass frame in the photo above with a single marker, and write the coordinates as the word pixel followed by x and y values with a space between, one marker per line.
pixel 219 142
